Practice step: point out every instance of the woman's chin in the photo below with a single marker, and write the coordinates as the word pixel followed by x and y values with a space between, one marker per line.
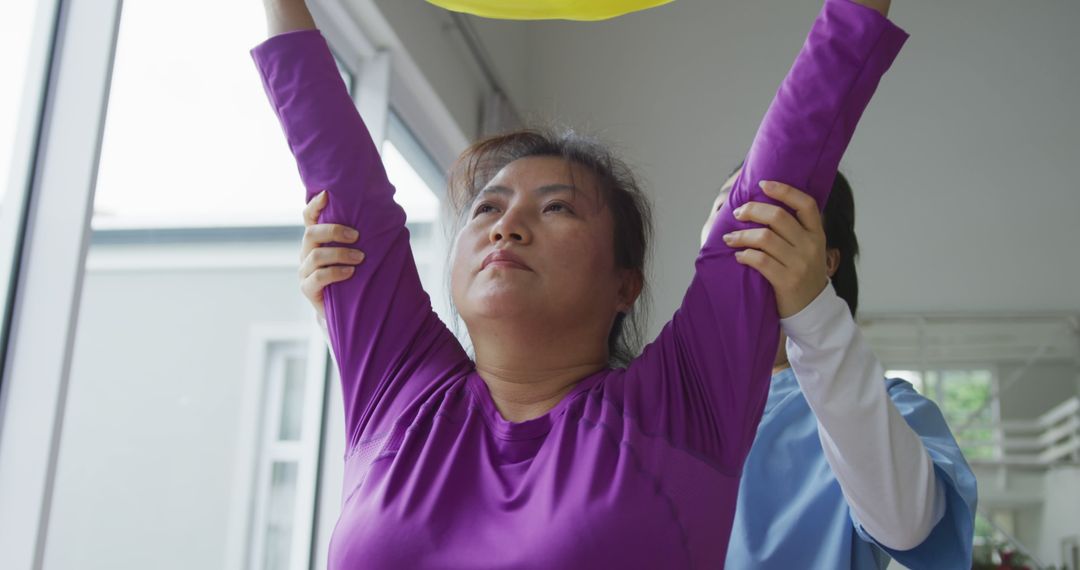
pixel 502 303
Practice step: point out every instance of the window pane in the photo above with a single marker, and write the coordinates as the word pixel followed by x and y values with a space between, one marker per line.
pixel 190 138
pixel 24 28
pixel 419 182
pixel 292 403
pixel 412 192
pixel 279 520
pixel 16 28
pixel 966 401
pixel 964 398
pixel 165 422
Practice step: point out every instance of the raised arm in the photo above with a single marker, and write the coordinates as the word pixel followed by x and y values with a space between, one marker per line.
pixel 719 347
pixel 287 16
pixel 389 344
pixel 882 6
pixel 817 107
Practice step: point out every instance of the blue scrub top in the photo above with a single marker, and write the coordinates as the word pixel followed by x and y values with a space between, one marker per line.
pixel 791 513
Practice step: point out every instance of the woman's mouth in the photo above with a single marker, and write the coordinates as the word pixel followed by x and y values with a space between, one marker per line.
pixel 504 258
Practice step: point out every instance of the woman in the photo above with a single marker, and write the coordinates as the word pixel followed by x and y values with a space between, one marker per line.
pixel 799 504
pixel 538 454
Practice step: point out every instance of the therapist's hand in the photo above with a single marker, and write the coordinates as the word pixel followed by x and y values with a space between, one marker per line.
pixel 789 251
pixel 322 265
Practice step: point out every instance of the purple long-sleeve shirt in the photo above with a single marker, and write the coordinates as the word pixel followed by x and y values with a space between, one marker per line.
pixel 635 467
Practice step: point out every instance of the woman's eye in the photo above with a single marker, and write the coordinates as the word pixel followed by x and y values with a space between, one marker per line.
pixel 557 207
pixel 483 209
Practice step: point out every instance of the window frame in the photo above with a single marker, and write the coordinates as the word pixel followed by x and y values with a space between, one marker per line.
pixel 44 315
pixel 24 149
pixel 253 467
pixel 50 241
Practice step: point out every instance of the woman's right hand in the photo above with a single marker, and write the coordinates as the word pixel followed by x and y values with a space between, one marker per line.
pixel 319 265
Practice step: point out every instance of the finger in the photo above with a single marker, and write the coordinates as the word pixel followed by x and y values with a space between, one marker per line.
pixel 766 240
pixel 806 208
pixel 319 234
pixel 775 217
pixel 773 271
pixel 314 208
pixel 329 256
pixel 312 286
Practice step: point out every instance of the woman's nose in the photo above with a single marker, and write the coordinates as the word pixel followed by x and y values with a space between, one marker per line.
pixel 510 227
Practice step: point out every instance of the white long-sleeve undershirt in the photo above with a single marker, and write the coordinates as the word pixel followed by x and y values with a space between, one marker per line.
pixel 884 471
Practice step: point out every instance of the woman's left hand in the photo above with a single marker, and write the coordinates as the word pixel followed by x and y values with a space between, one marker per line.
pixel 789 251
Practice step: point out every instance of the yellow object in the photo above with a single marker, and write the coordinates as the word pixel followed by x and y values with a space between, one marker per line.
pixel 548 9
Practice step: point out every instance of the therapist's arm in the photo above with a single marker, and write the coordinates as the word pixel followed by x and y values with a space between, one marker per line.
pixel 884 471
pixel 883 468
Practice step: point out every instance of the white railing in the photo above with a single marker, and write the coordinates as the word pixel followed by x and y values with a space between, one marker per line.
pixel 1053 437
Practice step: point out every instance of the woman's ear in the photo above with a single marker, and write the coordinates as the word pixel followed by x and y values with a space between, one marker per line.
pixel 832 261
pixel 629 289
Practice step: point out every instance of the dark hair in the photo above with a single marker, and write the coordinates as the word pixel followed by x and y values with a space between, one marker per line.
pixel 618 189
pixel 839 220
pixel 839 217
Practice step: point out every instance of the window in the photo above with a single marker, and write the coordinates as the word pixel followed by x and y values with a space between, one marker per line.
pixel 16 29
pixel 166 419
pixel 419 182
pixel 196 227
pixel 286 427
pixel 965 397
pixel 25 34
pixel 190 140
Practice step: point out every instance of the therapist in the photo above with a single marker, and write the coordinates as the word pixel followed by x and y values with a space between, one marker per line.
pixel 846 462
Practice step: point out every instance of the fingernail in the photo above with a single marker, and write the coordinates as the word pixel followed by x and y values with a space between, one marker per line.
pixel 728 238
pixel 738 211
pixel 352 234
pixel 356 256
pixel 348 269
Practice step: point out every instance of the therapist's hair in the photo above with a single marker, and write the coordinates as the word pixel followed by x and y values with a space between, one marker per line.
pixel 839 220
pixel 839 217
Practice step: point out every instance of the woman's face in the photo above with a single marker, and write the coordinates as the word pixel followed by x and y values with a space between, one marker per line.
pixel 721 197
pixel 537 245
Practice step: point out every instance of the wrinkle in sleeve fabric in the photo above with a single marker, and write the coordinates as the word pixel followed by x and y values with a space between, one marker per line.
pixel 389 344
pixel 704 381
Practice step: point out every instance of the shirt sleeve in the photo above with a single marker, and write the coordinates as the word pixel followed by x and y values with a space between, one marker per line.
pixel 388 343
pixel 704 381
pixel 884 471
pixel 950 542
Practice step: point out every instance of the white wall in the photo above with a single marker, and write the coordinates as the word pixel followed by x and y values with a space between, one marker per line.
pixel 151 430
pixel 1060 520
pixel 977 112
